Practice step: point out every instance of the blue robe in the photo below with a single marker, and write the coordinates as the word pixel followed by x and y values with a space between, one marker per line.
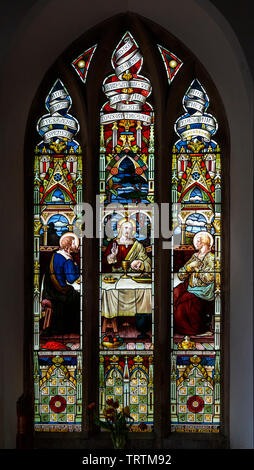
pixel 65 270
pixel 64 298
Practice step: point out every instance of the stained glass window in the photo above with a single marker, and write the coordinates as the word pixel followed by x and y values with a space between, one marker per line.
pixel 126 175
pixel 196 269
pixel 126 264
pixel 57 268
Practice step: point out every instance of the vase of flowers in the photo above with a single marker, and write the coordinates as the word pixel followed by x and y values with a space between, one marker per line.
pixel 117 421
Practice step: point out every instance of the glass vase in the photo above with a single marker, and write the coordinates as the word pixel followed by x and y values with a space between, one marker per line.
pixel 119 440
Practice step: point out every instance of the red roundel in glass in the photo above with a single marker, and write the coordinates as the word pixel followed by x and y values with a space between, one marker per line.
pixel 57 404
pixel 195 404
pixel 139 170
pixel 114 171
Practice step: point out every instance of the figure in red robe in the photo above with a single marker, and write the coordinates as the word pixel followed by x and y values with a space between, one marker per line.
pixel 193 298
pixel 126 248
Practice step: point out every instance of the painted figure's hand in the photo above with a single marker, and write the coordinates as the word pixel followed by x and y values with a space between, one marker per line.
pixel 114 249
pixel 193 266
pixel 136 264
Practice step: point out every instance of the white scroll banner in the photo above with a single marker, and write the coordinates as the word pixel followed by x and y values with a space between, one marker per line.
pixel 121 58
pixel 196 132
pixel 197 93
pixel 57 94
pixel 58 106
pixel 57 133
pixel 126 103
pixel 111 117
pixel 120 97
pixel 208 121
pixel 195 105
pixel 127 64
pixel 49 121
pixel 125 48
pixel 142 84
pixel 133 97
pixel 128 107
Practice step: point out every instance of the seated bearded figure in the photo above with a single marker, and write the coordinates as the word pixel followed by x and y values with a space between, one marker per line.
pixel 194 295
pixel 125 247
pixel 61 273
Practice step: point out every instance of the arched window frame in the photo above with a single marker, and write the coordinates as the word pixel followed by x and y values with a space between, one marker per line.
pixel 87 102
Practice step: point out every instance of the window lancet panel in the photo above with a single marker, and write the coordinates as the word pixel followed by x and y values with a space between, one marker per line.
pixel 57 268
pixel 196 269
pixel 127 256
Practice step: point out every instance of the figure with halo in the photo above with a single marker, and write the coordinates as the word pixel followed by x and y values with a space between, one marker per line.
pixel 126 248
pixel 125 253
pixel 193 297
pixel 58 288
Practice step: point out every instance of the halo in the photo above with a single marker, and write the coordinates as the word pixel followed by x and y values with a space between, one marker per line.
pixel 202 232
pixel 124 220
pixel 69 234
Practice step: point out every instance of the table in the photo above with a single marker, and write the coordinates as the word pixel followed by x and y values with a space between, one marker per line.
pixel 125 297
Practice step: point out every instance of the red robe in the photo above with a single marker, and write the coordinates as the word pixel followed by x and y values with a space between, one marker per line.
pixel 123 250
pixel 192 315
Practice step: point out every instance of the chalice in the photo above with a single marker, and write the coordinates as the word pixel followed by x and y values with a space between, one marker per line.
pixel 125 265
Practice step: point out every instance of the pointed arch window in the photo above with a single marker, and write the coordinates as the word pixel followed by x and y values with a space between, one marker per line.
pixel 110 309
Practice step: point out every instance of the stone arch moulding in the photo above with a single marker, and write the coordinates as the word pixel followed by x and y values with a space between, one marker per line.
pixel 211 25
